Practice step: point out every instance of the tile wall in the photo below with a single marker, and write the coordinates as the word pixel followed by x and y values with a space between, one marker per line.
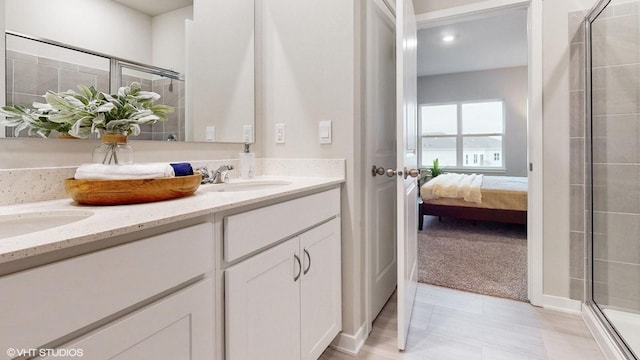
pixel 577 159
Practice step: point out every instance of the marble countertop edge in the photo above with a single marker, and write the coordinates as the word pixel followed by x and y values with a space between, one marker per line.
pixel 111 221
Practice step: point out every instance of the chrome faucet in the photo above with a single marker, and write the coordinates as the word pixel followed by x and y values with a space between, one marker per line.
pixel 222 174
pixel 206 175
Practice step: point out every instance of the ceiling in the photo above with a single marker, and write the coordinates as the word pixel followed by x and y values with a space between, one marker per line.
pixel 155 7
pixel 485 43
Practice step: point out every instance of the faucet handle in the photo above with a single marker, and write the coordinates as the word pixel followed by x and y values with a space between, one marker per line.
pixel 206 175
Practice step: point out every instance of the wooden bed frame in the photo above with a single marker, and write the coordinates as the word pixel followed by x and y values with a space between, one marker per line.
pixel 472 213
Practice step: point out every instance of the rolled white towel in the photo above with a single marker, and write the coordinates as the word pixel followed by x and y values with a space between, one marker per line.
pixel 124 172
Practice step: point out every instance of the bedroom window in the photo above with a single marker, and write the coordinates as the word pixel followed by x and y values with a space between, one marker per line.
pixel 453 133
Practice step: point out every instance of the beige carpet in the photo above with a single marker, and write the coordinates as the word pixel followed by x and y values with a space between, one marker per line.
pixel 483 257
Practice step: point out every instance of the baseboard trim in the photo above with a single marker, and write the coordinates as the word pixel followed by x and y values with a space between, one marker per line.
pixel 350 344
pixel 603 339
pixel 558 303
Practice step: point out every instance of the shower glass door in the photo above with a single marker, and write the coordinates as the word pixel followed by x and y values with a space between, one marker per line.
pixel 614 49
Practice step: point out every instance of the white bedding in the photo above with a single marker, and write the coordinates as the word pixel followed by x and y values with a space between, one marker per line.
pixel 455 186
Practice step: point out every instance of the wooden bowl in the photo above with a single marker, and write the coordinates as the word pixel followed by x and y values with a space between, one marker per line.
pixel 119 192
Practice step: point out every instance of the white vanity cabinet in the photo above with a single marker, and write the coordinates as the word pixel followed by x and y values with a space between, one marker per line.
pixel 283 297
pixel 144 299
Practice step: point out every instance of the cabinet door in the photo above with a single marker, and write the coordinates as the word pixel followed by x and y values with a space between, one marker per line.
pixel 321 299
pixel 262 305
pixel 178 327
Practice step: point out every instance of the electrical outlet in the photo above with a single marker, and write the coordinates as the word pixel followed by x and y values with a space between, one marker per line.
pixel 280 134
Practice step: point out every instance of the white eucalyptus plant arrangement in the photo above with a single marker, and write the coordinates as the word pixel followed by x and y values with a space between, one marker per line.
pixel 89 111
pixel 35 121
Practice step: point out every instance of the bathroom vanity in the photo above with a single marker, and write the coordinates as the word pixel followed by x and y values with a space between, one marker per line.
pixel 232 272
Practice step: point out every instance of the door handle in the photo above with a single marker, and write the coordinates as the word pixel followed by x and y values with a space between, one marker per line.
pixel 377 171
pixel 308 257
pixel 412 173
pixel 296 277
pixel 391 172
pixel 381 171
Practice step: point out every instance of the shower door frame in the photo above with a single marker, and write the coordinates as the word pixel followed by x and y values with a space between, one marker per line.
pixel 593 313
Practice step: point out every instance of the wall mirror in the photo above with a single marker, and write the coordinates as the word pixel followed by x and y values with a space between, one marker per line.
pixel 197 54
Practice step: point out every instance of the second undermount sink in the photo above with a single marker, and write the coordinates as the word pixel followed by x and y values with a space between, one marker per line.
pixel 246 185
pixel 24 223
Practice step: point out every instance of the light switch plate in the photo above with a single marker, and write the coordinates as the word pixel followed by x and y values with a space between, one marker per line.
pixel 324 131
pixel 280 134
pixel 247 134
pixel 210 133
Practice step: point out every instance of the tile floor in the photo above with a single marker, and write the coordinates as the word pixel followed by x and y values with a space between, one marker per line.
pixel 451 324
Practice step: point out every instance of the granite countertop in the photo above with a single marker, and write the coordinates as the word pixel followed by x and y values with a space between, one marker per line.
pixel 109 221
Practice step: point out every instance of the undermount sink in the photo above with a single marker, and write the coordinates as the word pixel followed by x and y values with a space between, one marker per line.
pixel 246 185
pixel 24 223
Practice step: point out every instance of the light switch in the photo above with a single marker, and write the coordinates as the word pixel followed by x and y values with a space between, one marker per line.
pixel 247 134
pixel 325 132
pixel 280 135
pixel 210 133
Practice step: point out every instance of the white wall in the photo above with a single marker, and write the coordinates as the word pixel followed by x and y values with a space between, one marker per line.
pixel 509 85
pixel 168 39
pixel 99 25
pixel 310 74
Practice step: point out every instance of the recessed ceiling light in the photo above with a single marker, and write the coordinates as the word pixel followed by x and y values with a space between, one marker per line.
pixel 448 38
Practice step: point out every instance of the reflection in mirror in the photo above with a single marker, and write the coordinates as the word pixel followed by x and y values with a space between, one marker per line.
pixel 33 68
pixel 171 90
pixel 211 42
pixel 37 66
pixel 222 57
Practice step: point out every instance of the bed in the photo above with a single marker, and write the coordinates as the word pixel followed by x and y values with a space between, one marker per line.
pixel 492 198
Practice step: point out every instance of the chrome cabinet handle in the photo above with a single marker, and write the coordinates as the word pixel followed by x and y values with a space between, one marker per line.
pixel 295 278
pixel 308 257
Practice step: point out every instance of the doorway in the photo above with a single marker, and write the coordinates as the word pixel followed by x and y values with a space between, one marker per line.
pixel 472 106
pixel 534 152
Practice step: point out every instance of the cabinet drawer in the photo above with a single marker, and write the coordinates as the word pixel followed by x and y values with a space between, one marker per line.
pixel 255 229
pixel 43 304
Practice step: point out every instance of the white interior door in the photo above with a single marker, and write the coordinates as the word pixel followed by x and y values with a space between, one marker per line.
pixel 406 147
pixel 380 206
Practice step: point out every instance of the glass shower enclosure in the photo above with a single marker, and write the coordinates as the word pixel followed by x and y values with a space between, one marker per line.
pixel 612 221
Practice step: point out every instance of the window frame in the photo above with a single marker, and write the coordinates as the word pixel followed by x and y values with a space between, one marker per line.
pixel 459 136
